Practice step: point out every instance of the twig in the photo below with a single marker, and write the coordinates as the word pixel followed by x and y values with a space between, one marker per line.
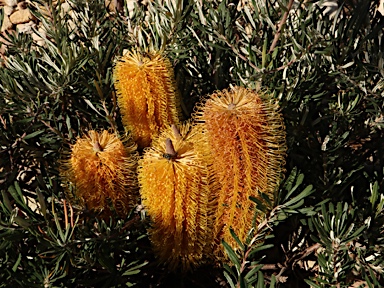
pixel 54 130
pixel 71 209
pixel 109 117
pixel 242 57
pixel 281 24
pixel 131 222
pixel 3 122
pixel 65 213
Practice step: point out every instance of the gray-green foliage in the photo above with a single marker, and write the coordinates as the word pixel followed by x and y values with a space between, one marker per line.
pixel 246 270
pixel 326 71
pixel 50 94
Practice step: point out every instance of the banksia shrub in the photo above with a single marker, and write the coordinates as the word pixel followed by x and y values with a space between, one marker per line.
pixel 101 170
pixel 245 134
pixel 174 188
pixel 147 95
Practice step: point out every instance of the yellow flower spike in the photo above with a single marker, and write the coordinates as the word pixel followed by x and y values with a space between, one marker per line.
pixel 176 195
pixel 147 94
pixel 246 136
pixel 103 173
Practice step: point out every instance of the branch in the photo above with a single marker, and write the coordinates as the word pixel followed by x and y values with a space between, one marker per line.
pixel 281 24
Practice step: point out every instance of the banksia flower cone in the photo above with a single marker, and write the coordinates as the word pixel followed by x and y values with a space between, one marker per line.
pixel 147 95
pixel 102 172
pixel 176 195
pixel 246 136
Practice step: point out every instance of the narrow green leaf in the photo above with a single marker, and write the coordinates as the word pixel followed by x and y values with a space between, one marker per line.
pixel 273 281
pixel 57 222
pixel 308 211
pixel 229 279
pixel 14 267
pixel 106 261
pixel 374 194
pixel 40 198
pixel 259 204
pixel 306 192
pixel 34 134
pixel 68 122
pixel 232 255
pixel 22 222
pixel 299 180
pixel 252 273
pixel 6 201
pixel 16 194
pixel 229 270
pixel 242 282
pixel 234 236
pixel 134 269
pixel 264 54
pixel 260 248
pixel 260 282
pixel 250 18
pixel 290 179
pixel 266 198
pixel 93 107
pixel 293 207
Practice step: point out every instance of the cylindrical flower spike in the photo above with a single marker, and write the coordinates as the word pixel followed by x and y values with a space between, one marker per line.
pixel 176 195
pixel 102 171
pixel 246 136
pixel 147 95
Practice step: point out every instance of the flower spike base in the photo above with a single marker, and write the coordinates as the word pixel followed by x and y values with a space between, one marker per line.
pixel 246 136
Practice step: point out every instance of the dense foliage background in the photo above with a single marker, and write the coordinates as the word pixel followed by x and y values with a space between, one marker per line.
pixel 325 68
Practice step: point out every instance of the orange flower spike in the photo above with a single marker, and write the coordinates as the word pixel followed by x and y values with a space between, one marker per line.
pixel 175 193
pixel 102 171
pixel 246 136
pixel 147 96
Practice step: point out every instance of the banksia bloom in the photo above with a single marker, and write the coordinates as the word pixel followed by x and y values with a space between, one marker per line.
pixel 147 95
pixel 246 136
pixel 102 172
pixel 176 195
